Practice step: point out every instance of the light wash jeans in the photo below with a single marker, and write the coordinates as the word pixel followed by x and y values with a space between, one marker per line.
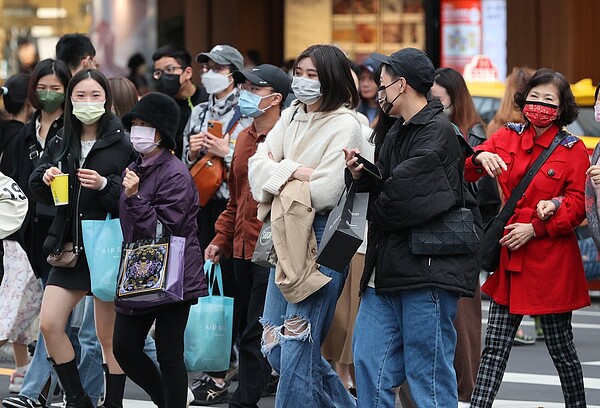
pixel 305 377
pixel 406 336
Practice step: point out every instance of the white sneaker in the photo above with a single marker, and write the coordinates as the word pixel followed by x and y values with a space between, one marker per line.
pixel 462 404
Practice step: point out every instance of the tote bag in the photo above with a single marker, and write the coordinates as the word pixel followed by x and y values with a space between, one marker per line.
pixel 209 327
pixel 151 271
pixel 102 240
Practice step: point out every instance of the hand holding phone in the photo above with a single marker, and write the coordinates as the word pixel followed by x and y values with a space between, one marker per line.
pixel 368 166
pixel 215 128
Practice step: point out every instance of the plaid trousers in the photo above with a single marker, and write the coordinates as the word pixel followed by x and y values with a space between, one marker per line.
pixel 501 329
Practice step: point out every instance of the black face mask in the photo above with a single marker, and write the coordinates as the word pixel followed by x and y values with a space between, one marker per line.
pixel 168 84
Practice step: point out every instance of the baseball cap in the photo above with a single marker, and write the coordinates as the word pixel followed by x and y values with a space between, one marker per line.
pixel 266 75
pixel 370 65
pixel 224 55
pixel 412 64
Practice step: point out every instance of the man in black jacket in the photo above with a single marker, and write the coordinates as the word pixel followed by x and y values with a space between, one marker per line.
pixel 404 327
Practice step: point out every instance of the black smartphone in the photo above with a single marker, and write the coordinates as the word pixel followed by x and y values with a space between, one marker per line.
pixel 369 167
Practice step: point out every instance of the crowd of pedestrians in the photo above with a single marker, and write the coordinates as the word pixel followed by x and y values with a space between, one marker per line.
pixel 396 322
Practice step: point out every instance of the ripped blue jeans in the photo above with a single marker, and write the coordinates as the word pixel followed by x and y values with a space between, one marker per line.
pixel 292 338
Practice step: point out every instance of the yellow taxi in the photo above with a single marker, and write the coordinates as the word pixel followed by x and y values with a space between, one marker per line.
pixel 487 96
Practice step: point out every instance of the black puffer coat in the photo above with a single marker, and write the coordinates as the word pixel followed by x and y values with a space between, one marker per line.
pixel 422 166
pixel 109 156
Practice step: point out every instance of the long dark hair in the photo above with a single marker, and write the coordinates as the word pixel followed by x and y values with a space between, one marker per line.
pixel 568 106
pixel 384 122
pixel 333 67
pixel 72 128
pixel 464 115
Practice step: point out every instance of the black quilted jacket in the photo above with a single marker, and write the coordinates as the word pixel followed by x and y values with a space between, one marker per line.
pixel 422 166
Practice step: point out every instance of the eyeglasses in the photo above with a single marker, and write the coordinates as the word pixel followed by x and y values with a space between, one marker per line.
pixel 214 67
pixel 169 70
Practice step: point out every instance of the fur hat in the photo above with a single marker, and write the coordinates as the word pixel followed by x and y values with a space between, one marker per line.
pixel 158 110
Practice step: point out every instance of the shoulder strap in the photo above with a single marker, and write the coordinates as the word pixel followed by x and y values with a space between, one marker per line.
pixel 509 208
pixel 237 114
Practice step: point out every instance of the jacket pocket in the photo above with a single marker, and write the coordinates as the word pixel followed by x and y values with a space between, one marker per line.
pixel 549 177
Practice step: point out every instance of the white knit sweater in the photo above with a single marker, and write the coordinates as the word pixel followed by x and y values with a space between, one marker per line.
pixel 311 139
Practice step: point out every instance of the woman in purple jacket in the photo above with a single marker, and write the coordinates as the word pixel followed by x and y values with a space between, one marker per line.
pixel 158 187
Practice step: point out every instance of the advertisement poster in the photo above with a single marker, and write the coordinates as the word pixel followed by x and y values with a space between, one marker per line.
pixel 494 33
pixel 461 32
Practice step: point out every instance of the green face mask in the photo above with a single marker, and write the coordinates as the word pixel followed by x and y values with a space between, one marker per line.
pixel 51 100
pixel 88 112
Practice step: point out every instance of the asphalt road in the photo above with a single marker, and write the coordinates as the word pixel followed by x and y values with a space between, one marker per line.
pixel 530 381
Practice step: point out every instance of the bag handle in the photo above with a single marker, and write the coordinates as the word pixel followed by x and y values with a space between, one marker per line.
pixel 510 206
pixel 216 276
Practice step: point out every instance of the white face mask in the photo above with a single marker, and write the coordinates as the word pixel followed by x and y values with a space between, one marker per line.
pixel 142 139
pixel 215 82
pixel 307 90
pixel 597 113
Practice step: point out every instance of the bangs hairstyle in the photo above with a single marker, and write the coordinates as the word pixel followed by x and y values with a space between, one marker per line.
pixel 568 107
pixel 177 52
pixel 15 93
pixel 45 67
pixel 124 95
pixel 333 68
pixel 72 126
pixel 464 115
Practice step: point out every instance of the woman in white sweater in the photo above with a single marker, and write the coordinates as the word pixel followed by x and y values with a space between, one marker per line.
pixel 306 145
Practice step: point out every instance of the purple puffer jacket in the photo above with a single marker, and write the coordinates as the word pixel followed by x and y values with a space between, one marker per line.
pixel 166 192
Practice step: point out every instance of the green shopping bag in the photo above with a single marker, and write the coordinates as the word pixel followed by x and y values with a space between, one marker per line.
pixel 103 240
pixel 209 327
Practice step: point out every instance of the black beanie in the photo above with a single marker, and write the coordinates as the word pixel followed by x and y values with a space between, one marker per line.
pixel 159 111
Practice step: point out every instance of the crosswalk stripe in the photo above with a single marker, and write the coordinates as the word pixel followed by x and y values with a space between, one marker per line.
pixel 590 326
pixel 592 363
pixel 544 379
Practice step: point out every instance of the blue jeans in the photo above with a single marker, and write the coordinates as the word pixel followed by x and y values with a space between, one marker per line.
pixel 406 336
pixel 306 378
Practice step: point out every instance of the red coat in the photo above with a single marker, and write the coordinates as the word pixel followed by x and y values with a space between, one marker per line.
pixel 546 274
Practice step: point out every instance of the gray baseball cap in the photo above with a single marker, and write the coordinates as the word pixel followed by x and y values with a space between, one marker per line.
pixel 224 55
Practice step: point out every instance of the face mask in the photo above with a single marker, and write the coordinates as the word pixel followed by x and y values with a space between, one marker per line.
pixel 142 139
pixel 540 114
pixel 88 112
pixel 386 106
pixel 168 84
pixel 248 103
pixel 51 100
pixel 308 91
pixel 448 111
pixel 597 113
pixel 215 82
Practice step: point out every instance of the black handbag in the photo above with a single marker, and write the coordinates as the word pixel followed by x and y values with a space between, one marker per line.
pixel 452 233
pixel 494 229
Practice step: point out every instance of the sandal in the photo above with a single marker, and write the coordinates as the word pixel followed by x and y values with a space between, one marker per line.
pixel 523 339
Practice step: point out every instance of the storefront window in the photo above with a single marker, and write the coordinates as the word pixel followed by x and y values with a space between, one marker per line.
pixel 361 27
pixel 29 30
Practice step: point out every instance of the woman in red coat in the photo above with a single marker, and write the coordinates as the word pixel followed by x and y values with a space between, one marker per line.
pixel 540 270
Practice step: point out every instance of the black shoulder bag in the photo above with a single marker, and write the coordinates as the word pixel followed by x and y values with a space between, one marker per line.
pixel 494 229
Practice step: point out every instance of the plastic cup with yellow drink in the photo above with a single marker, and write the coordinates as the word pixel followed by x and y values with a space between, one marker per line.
pixel 60 189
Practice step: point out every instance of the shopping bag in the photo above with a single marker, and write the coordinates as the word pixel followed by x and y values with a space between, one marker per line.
pixel 209 327
pixel 102 240
pixel 151 271
pixel 344 230
pixel 264 251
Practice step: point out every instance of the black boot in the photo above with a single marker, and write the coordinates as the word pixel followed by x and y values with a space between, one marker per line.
pixel 69 378
pixel 115 387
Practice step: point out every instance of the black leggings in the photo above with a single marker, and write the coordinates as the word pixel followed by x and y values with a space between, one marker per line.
pixel 167 388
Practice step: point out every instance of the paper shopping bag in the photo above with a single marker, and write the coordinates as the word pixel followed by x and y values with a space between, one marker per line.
pixel 344 230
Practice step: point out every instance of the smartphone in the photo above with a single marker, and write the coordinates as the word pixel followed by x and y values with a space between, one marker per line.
pixel 369 167
pixel 215 127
